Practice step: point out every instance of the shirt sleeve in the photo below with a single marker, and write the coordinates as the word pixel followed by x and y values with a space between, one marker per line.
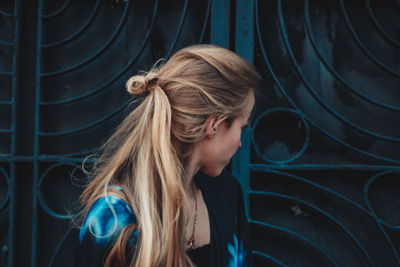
pixel 102 226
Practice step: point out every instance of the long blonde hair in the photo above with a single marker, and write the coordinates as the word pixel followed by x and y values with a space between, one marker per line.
pixel 147 154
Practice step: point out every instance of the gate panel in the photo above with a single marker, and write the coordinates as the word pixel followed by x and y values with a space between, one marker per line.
pixel 324 175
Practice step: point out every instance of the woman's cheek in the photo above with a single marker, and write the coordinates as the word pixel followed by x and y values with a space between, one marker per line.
pixel 239 139
pixel 236 147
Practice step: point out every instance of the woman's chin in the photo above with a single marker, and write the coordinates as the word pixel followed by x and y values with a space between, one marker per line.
pixel 213 172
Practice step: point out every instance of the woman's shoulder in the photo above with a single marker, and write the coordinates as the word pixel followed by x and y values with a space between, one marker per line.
pixel 228 182
pixel 105 219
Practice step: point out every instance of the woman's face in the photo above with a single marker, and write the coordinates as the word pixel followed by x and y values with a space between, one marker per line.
pixel 218 150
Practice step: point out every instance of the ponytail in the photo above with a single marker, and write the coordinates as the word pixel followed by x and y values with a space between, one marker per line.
pixel 157 199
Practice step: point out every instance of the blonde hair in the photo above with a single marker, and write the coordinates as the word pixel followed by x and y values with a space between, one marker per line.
pixel 147 154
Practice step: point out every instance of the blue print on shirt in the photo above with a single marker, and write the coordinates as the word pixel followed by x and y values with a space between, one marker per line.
pixel 105 223
pixel 237 253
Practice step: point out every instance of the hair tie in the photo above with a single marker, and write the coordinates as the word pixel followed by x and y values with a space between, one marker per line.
pixel 141 84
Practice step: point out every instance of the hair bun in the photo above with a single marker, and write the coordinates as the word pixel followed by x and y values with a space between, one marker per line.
pixel 137 85
pixel 140 84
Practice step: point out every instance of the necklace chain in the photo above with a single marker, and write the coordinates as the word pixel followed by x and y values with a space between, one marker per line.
pixel 191 242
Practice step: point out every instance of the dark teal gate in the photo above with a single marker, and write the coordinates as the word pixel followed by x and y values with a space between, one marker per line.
pixel 319 164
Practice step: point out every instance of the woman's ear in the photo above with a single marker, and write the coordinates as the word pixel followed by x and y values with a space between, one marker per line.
pixel 210 126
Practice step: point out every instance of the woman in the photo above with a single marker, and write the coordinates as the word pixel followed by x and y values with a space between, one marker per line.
pixel 154 200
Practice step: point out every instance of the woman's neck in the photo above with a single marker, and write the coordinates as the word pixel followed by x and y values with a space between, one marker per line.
pixel 192 166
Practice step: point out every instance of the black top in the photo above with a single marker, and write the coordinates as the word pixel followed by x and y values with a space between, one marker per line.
pixel 229 240
pixel 200 256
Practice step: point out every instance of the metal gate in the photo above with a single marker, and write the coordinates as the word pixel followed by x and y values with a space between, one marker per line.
pixel 319 165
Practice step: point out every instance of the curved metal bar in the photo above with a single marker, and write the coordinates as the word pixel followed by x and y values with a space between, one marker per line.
pixel 303 148
pixel 116 76
pixel 367 202
pixel 88 126
pixel 4 13
pixel 52 212
pixel 315 94
pixel 330 217
pixel 43 202
pixel 60 158
pixel 205 23
pixel 79 31
pixel 337 195
pixel 6 43
pixel 59 246
pixel 379 220
pixel 69 156
pixel 58 11
pixel 282 90
pixel 259 167
pixel 282 229
pixel 361 44
pixel 331 69
pixel 274 260
pixel 380 29
pixel 95 54
pixel 4 204
pixel 179 30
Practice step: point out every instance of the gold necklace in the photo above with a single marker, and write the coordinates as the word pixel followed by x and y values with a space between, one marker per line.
pixel 191 241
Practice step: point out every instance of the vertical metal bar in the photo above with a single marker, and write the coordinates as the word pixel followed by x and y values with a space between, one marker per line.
pixel 14 96
pixel 244 41
pixel 36 135
pixel 244 46
pixel 220 18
